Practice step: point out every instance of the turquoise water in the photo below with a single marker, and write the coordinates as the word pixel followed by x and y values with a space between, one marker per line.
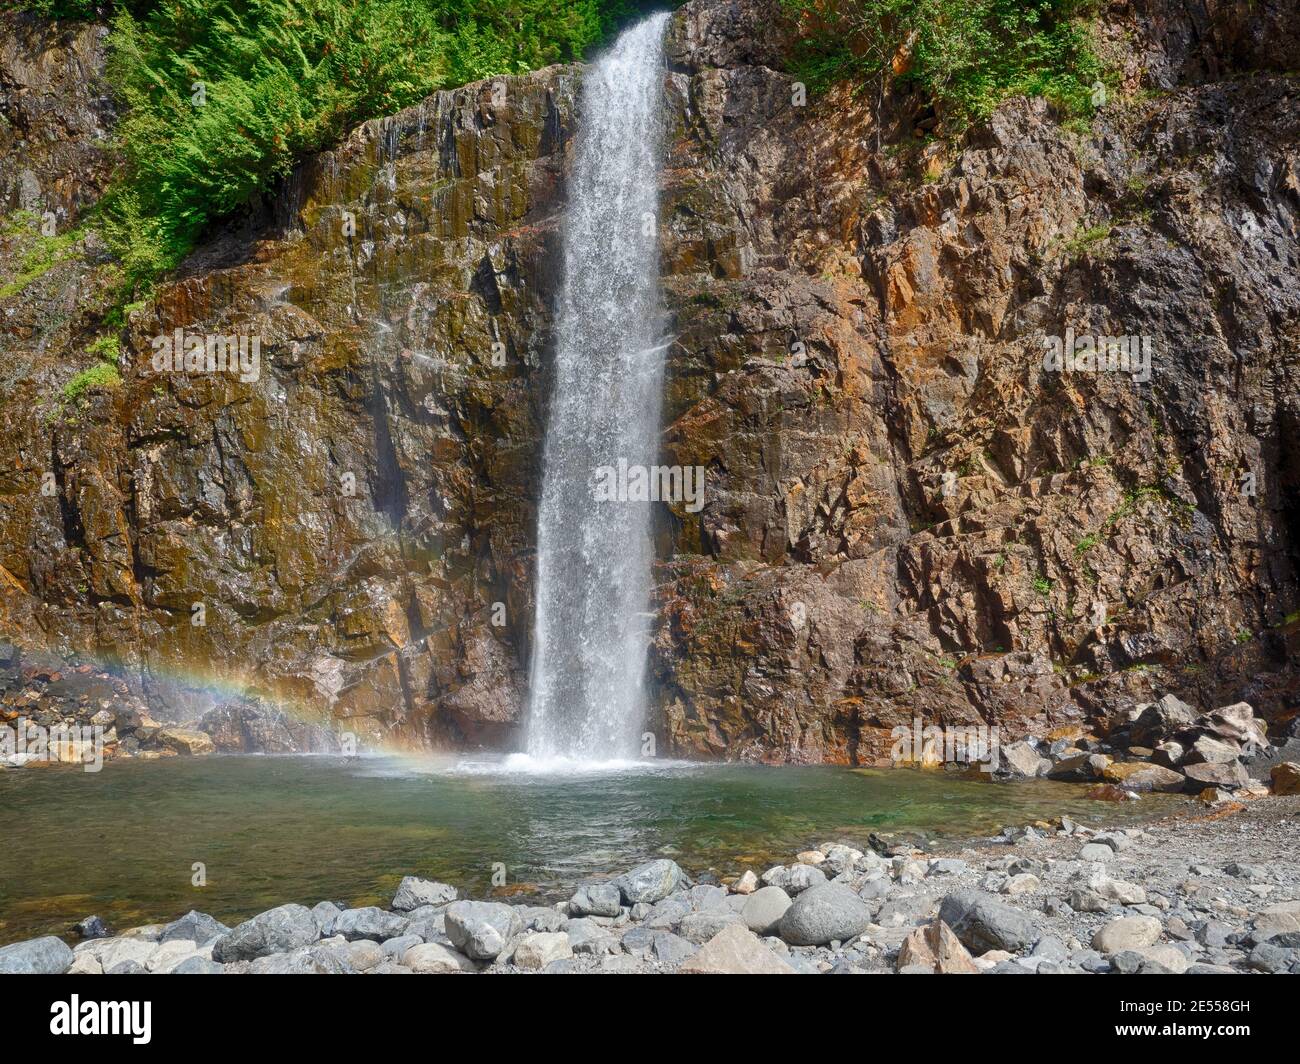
pixel 123 842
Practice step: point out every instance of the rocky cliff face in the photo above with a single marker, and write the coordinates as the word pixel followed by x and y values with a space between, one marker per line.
pixel 906 513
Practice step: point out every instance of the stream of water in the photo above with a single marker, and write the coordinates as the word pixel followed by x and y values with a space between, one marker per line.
pixel 594 557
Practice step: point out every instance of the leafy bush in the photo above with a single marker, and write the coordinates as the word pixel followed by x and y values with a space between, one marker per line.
pixel 222 97
pixel 966 56
pixel 99 377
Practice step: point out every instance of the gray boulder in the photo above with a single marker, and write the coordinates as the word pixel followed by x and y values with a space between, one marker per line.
pixel 317 959
pixel 279 930
pixel 92 927
pixel 412 892
pixel 1020 760
pixel 369 922
pixel 481 929
pixel 1229 775
pixel 194 926
pixel 826 913
pixel 701 926
pixel 983 923
pixel 649 882
pixel 764 908
pixel 541 918
pixel 37 956
pixel 1162 720
pixel 596 899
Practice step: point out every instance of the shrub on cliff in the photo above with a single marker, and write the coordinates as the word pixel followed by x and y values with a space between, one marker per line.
pixel 221 97
pixel 966 56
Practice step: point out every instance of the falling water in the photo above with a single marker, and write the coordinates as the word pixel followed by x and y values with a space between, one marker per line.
pixel 593 565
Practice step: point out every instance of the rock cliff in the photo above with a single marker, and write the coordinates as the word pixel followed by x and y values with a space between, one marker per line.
pixel 906 515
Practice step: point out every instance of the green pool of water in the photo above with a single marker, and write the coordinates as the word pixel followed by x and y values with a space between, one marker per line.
pixel 123 842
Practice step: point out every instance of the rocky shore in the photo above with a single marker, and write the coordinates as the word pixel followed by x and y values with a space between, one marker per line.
pixel 1217 892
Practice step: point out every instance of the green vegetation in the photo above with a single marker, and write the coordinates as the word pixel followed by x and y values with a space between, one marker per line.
pixel 44 254
pixel 100 376
pixel 222 97
pixel 1042 585
pixel 1085 238
pixel 965 56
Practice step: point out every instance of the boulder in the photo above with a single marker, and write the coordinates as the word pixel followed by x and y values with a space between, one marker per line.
pixel 1143 776
pixel 1023 883
pixel 795 879
pixel 481 929
pixel 1230 775
pixel 1170 754
pixel 279 930
pixel 91 927
pixel 983 923
pixel 746 884
pixel 390 950
pixel 189 741
pixel 1161 720
pixel 1161 958
pixel 537 950
pixel 197 965
pixel 699 927
pixel 764 909
pixel 111 952
pixel 37 956
pixel 596 899
pixel 649 882
pixel 1126 933
pixel 197 927
pixel 434 958
pixel 368 922
pixel 1209 750
pixel 827 913
pixel 1021 760
pixel 936 947
pixel 1285 778
pixel 1080 768
pixel 1238 723
pixel 318 959
pixel 735 951
pixel 586 936
pixel 412 892
pixel 1109 890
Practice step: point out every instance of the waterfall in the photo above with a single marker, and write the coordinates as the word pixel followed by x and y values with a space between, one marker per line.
pixel 594 558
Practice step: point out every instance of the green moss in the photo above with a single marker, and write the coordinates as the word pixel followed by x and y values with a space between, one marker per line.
pixel 44 255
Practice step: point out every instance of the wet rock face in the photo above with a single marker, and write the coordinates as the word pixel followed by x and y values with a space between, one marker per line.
pixel 905 513
pixel 55 115
pixel 345 524
pixel 908 515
